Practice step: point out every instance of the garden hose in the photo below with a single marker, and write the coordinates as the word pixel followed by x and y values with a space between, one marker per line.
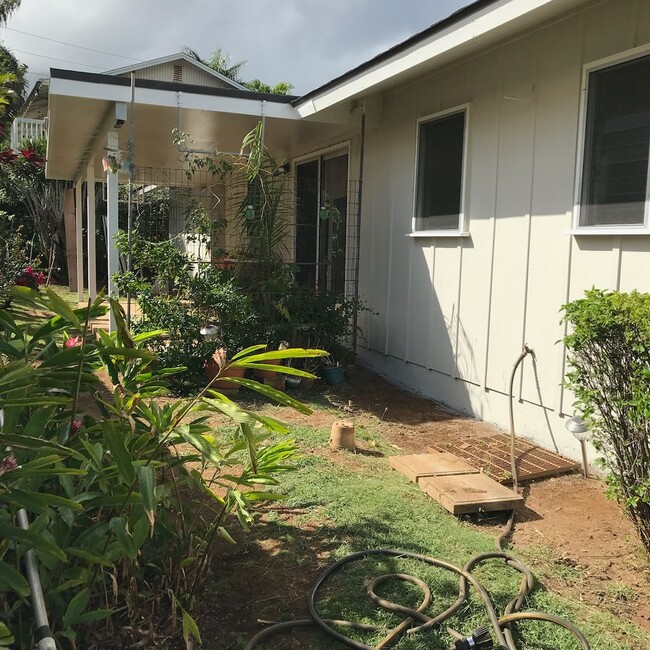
pixel 513 461
pixel 497 635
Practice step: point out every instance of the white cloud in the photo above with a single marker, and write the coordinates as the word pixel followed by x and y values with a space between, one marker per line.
pixel 305 42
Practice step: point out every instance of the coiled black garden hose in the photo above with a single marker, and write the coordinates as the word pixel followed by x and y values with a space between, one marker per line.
pixel 500 626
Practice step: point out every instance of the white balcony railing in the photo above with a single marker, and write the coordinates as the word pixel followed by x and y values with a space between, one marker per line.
pixel 24 128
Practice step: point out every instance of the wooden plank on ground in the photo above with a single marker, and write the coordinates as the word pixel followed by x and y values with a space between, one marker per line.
pixel 416 466
pixel 465 493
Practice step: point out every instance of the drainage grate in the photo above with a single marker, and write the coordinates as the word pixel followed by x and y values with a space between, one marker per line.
pixel 492 455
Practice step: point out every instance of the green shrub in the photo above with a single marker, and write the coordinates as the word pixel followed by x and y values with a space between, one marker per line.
pixel 609 361
pixel 124 522
pixel 13 256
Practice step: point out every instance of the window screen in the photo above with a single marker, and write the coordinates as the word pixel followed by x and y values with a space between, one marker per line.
pixel 616 145
pixel 440 173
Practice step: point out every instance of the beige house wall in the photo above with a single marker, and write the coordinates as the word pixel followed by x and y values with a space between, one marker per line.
pixel 453 313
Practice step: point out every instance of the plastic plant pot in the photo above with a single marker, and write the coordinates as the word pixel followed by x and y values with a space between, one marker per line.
pixel 292 382
pixel 333 375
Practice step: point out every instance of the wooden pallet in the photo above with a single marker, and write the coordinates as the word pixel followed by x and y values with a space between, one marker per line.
pixel 491 454
pixel 417 466
pixel 465 493
pixel 456 485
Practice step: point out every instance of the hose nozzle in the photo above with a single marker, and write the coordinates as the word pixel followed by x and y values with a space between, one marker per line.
pixel 480 640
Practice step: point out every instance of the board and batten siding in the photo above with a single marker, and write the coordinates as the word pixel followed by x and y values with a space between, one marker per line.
pixel 190 74
pixel 452 314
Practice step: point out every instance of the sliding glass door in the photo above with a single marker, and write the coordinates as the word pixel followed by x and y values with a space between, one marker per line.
pixel 321 223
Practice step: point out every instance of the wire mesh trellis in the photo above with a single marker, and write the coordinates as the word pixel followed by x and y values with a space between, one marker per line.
pixel 310 225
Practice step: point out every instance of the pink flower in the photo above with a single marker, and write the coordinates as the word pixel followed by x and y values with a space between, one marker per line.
pixel 8 464
pixel 73 342
pixel 75 425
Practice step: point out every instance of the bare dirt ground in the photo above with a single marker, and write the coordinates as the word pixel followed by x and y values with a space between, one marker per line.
pixel 590 547
pixel 582 545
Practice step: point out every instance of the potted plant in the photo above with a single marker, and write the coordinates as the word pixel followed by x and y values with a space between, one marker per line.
pixel 217 366
pixel 332 371
pixel 292 382
pixel 275 379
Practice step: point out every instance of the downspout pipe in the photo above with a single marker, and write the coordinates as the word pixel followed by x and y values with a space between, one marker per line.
pixel 513 461
pixel 43 633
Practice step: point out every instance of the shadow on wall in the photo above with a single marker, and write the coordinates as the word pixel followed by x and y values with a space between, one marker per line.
pixel 423 331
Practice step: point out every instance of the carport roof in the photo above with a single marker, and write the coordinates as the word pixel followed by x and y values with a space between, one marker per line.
pixel 82 111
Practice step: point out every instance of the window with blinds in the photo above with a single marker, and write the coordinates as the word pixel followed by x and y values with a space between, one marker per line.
pixel 617 143
pixel 441 147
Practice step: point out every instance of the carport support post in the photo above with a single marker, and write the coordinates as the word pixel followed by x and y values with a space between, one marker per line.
pixel 92 255
pixel 79 238
pixel 111 224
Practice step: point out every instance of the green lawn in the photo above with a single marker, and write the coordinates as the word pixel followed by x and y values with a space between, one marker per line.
pixel 346 502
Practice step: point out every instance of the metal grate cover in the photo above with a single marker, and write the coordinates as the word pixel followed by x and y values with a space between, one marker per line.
pixel 491 454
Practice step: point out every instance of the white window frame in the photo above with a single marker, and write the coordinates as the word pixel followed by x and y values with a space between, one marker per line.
pixel 615 229
pixel 462 230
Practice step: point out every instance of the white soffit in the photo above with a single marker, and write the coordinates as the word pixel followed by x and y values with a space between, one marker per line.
pixel 480 29
pixel 171 98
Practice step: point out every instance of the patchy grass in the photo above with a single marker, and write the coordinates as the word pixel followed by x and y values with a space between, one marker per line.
pixel 339 503
pixel 71 297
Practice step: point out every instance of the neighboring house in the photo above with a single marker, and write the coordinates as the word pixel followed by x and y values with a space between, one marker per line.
pixel 504 157
pixel 31 123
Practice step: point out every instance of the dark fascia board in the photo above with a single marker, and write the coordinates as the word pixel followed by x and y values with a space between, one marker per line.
pixel 456 17
pixel 91 77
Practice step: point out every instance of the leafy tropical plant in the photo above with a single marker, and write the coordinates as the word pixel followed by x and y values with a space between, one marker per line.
pixel 171 298
pixel 220 61
pixel 258 86
pixel 7 7
pixel 127 495
pixel 36 201
pixel 13 254
pixel 609 374
pixel 13 83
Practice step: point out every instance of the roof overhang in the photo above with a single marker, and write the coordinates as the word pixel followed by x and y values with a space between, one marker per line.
pixel 478 26
pixel 82 111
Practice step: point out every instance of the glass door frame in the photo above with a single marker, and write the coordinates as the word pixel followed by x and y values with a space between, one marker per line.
pixel 341 149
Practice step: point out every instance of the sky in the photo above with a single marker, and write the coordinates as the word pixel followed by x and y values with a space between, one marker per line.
pixel 304 42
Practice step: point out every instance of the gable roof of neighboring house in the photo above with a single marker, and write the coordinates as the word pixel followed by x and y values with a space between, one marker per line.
pixel 479 25
pixel 180 56
pixel 35 104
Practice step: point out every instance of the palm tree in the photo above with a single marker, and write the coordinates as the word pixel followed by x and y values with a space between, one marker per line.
pixel 7 94
pixel 7 7
pixel 219 61
pixel 12 85
pixel 281 88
